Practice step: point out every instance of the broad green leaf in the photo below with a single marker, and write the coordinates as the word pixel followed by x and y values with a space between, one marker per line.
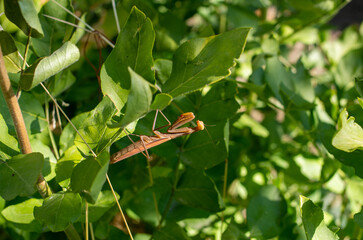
pixel 133 49
pixel 105 202
pixel 12 59
pixel 89 176
pixel 326 133
pixel 219 103
pixel 161 101
pixel 202 61
pixel 22 212
pixel 349 67
pixel 197 190
pixel 171 231
pixel 358 218
pixel 50 161
pixel 33 114
pixel 206 149
pixel 94 127
pixel 46 67
pixel 233 232
pixel 313 220
pixel 61 82
pixel 55 32
pixel 265 212
pixel 138 102
pixel 69 134
pixel 349 136
pixel 9 144
pixel 163 69
pixel 59 210
pixel 65 165
pixel 21 215
pixel 299 89
pixel 25 16
pixel 19 174
pixel 142 204
pixel 275 75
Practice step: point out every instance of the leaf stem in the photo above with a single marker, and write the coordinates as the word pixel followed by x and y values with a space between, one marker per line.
pixel 52 141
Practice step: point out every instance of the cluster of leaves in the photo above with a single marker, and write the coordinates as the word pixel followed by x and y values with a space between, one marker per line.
pixel 270 163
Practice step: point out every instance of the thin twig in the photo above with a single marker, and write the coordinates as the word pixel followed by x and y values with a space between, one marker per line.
pixel 119 207
pixel 116 16
pixel 68 23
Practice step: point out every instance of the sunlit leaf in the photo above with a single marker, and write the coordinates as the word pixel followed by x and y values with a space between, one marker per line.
pixel 202 61
pixel 46 67
pixel 133 49
pixel 21 215
pixel 9 144
pixel 350 135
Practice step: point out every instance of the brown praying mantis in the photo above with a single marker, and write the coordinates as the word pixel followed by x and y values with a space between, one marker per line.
pixel 146 142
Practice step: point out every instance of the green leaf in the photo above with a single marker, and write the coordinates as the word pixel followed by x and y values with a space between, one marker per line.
pixel 33 114
pixel 359 85
pixel 19 174
pixel 94 127
pixel 9 144
pixel 61 82
pixel 133 49
pixel 349 136
pixel 206 149
pixel 89 176
pixel 202 61
pixel 313 220
pixel 163 69
pixel 138 102
pixel 105 202
pixel 275 75
pixel 219 104
pixel 326 133
pixel 65 165
pixel 46 67
pixel 358 219
pixel 12 59
pixel 265 212
pixel 22 212
pixel 21 215
pixel 25 16
pixel 197 190
pixel 171 231
pixel 161 101
pixel 59 210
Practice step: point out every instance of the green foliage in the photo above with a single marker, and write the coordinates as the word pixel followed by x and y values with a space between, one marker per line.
pixel 272 82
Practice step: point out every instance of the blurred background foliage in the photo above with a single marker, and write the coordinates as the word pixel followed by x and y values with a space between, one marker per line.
pixel 278 108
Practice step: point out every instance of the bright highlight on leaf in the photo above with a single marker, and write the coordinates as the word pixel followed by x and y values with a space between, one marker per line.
pixel 46 67
pixel 350 135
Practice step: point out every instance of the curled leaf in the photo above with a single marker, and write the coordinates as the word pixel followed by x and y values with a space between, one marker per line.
pixel 350 135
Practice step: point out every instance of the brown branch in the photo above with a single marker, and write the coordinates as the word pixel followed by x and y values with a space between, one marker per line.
pixel 19 124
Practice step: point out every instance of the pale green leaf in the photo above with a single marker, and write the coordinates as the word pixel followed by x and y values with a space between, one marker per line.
pixel 46 67
pixel 349 136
